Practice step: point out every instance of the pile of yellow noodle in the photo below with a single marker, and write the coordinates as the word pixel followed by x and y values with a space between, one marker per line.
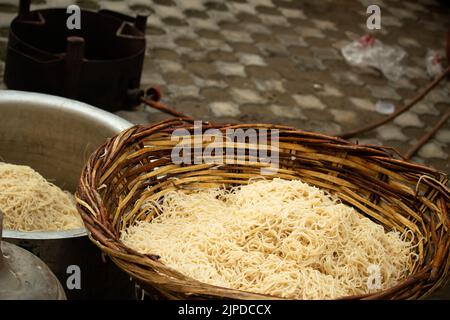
pixel 31 203
pixel 282 238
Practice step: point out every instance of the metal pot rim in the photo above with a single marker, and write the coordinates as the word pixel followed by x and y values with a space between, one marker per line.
pixel 60 103
pixel 44 235
pixel 70 106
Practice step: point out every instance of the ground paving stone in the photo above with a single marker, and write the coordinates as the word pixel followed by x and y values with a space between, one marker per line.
pixel 279 61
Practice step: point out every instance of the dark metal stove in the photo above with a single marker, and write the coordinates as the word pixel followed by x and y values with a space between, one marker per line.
pixel 99 64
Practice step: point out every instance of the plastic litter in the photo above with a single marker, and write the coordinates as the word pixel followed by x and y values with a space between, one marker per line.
pixel 384 107
pixel 433 62
pixel 318 86
pixel 370 52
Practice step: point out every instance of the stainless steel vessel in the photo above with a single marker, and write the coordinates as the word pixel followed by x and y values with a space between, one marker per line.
pixel 54 136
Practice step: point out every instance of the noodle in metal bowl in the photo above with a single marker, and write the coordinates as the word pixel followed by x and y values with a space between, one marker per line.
pixel 31 203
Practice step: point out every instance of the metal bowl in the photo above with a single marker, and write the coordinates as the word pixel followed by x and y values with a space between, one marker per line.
pixel 55 136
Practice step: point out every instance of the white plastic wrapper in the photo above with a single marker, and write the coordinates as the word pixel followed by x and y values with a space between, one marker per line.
pixel 370 52
pixel 433 63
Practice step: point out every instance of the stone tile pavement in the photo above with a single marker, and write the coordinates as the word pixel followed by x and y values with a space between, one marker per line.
pixel 279 61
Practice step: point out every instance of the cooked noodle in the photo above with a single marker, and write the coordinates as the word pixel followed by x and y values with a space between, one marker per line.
pixel 279 237
pixel 31 203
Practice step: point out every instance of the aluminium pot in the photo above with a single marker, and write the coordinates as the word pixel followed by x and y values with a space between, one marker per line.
pixel 55 136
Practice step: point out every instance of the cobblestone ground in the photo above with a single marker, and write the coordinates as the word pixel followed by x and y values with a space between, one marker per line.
pixel 279 61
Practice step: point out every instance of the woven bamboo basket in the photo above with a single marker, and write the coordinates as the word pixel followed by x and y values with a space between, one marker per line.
pixel 376 181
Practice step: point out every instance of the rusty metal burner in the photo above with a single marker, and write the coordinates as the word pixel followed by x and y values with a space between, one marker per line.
pixel 100 64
